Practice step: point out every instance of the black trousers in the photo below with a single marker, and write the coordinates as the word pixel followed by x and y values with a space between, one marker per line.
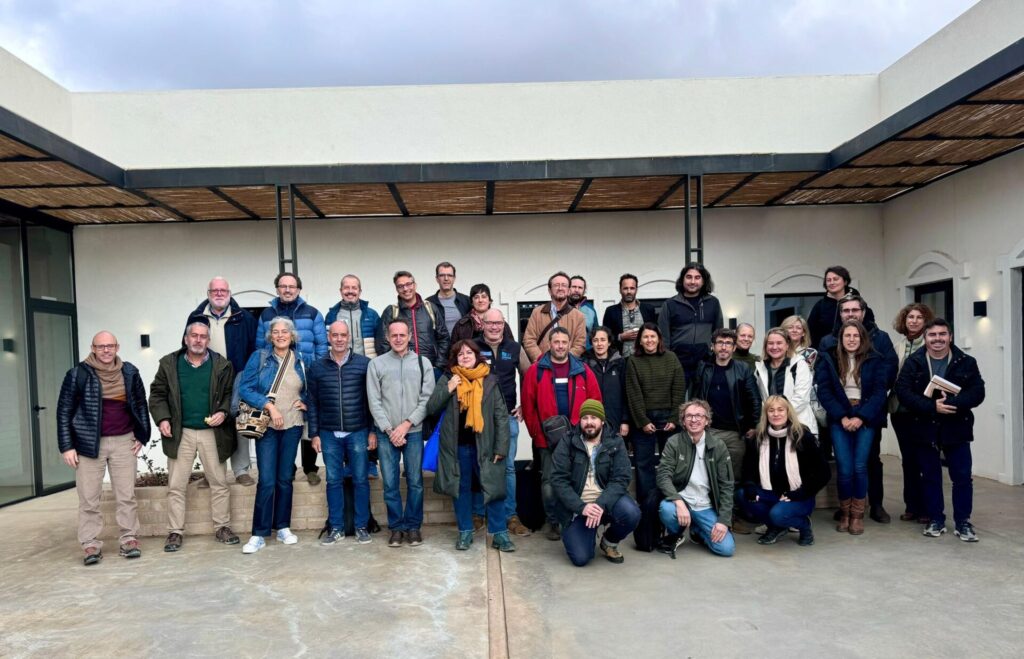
pixel 875 490
pixel 308 457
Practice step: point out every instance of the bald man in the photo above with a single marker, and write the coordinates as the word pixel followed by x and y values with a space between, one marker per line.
pixel 102 424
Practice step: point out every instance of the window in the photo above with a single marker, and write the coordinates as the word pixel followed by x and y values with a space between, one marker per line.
pixel 938 296
pixel 655 302
pixel 524 309
pixel 779 307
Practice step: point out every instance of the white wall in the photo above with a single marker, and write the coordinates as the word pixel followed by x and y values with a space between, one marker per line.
pixel 29 93
pixel 970 228
pixel 146 278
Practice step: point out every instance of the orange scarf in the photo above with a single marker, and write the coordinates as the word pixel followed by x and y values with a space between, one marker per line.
pixel 471 393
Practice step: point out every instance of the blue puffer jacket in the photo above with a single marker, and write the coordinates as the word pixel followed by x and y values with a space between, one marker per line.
pixel 832 396
pixel 239 333
pixel 337 395
pixel 256 382
pixel 308 322
pixel 368 322
pixel 80 409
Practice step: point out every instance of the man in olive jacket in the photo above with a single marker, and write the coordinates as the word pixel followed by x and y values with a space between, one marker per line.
pixel 696 477
pixel 590 477
pixel 190 400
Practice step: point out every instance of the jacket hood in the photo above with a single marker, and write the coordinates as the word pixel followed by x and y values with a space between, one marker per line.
pixel 576 367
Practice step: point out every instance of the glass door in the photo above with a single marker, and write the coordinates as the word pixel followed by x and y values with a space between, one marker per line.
pixel 17 474
pixel 54 335
pixel 938 296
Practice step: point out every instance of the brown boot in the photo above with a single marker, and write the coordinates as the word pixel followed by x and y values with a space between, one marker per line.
pixel 857 517
pixel 844 516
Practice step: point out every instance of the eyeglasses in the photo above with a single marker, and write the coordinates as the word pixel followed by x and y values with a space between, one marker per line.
pixel 404 286
pixel 221 291
pixel 494 323
pixel 694 417
pixel 106 346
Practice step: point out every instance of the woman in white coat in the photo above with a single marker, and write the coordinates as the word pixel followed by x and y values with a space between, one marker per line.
pixel 781 373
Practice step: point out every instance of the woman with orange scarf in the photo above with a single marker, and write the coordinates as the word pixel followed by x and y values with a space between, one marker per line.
pixel 474 438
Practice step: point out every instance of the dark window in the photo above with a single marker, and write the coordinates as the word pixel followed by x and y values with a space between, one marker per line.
pixel 524 309
pixel 779 307
pixel 938 296
pixel 655 302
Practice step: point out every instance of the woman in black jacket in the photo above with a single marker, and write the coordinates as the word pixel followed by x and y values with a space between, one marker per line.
pixel 783 469
pixel 824 317
pixel 610 370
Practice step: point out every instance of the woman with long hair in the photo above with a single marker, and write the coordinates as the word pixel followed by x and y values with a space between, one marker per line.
pixel 799 333
pixel 909 325
pixel 782 471
pixel 852 389
pixel 610 370
pixel 780 373
pixel 474 440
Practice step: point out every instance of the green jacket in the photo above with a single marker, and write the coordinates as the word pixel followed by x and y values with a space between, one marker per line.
pixel 165 402
pixel 493 440
pixel 677 460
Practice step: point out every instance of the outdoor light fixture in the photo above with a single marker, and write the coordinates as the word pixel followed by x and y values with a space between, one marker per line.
pixel 732 323
pixel 980 309
pixel 8 345
pixel 145 340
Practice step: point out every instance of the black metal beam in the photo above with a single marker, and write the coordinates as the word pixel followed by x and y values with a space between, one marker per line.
pixel 304 199
pixel 397 196
pixel 734 188
pixel 700 220
pixel 687 243
pixel 579 194
pixel 237 204
pixel 490 198
pixel 668 193
pixel 34 216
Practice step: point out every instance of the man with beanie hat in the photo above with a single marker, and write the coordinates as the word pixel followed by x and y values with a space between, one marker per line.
pixel 190 401
pixel 590 478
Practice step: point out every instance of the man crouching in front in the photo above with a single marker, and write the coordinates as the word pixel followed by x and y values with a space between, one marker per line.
pixel 590 477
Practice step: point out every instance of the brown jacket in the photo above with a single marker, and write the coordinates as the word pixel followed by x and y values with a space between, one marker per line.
pixel 574 321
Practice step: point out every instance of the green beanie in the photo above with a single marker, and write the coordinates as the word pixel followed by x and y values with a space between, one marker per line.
pixel 593 408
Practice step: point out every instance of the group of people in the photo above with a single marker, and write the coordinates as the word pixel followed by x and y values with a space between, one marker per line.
pixel 721 439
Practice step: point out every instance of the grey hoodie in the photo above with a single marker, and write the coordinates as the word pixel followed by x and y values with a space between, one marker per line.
pixel 397 388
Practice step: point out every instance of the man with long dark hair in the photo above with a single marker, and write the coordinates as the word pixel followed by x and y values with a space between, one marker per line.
pixel 688 319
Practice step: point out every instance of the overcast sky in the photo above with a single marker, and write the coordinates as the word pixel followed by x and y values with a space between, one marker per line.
pixel 106 45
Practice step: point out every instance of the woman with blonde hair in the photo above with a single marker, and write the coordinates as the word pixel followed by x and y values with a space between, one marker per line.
pixel 780 373
pixel 783 470
pixel 799 334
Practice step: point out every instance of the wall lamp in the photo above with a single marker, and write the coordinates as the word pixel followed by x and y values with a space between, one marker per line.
pixel 980 309
pixel 8 345
pixel 144 340
pixel 732 323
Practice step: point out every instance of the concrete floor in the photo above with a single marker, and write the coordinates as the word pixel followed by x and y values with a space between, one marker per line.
pixel 888 593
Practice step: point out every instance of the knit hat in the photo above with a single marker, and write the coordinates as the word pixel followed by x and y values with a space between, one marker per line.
pixel 593 408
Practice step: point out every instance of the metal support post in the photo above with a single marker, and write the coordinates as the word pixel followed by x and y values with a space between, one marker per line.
pixel 293 262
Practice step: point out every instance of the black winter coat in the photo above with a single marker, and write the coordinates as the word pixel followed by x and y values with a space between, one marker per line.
pixel 612 471
pixel 929 426
pixel 239 333
pixel 432 333
pixel 746 396
pixel 824 317
pixel 337 395
pixel 462 302
pixel 687 325
pixel 80 409
pixel 611 379
pixel 832 395
pixel 814 469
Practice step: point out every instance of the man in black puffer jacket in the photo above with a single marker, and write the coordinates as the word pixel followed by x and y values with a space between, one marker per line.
pixel 339 426
pixel 103 423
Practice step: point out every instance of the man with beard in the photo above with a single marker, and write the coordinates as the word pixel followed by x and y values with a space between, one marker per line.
pixel 627 317
pixel 578 299
pixel 688 319
pixel 559 313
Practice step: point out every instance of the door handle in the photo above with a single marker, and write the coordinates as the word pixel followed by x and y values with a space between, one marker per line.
pixel 38 408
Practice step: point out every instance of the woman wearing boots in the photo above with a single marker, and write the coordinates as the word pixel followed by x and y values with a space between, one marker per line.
pixel 474 440
pixel 783 469
pixel 851 388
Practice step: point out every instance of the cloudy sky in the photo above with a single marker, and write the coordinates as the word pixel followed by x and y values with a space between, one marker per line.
pixel 105 45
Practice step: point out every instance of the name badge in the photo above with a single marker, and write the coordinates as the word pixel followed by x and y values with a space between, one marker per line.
pixel 561 380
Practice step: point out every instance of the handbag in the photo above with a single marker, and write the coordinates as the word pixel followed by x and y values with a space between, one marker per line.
pixel 252 422
pixel 432 447
pixel 557 427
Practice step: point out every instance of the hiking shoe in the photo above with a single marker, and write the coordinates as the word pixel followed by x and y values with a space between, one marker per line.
pixel 806 537
pixel 478 523
pixel 502 542
pixel 245 480
pixel 93 555
pixel 909 517
pixel 333 538
pixel 741 526
pixel 226 535
pixel 363 537
pixel 965 531
pixel 203 484
pixel 879 514
pixel 934 530
pixel 313 478
pixel 414 538
pixel 464 540
pixel 286 537
pixel 554 532
pixel 130 548
pixel 396 539
pixel 255 544
pixel 173 542
pixel 516 527
pixel 611 552
pixel 669 544
pixel 772 536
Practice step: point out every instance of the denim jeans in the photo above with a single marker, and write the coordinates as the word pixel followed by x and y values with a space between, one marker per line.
pixel 275 456
pixel 469 470
pixel 769 510
pixel 958 461
pixel 913 489
pixel 852 450
pixel 341 452
pixel 647 450
pixel 510 475
pixel 579 540
pixel 411 519
pixel 701 521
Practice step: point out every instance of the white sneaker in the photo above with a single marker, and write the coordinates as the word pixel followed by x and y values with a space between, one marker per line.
pixel 255 544
pixel 286 537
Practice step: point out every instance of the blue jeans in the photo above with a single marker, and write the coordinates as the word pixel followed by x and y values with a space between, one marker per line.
pixel 579 540
pixel 411 519
pixel 702 521
pixel 778 514
pixel 275 457
pixel 510 475
pixel 958 462
pixel 469 470
pixel 341 452
pixel 852 450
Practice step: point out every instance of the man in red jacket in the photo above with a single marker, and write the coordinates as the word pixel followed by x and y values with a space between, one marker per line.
pixel 555 386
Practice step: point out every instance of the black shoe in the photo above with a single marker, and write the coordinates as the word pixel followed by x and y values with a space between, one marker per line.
pixel 879 515
pixel 772 535
pixel 696 539
pixel 173 542
pixel 414 538
pixel 554 532
pixel 671 543
pixel 806 537
pixel 396 539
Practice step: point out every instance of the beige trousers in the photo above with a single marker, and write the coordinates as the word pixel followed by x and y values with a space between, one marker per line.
pixel 204 443
pixel 116 455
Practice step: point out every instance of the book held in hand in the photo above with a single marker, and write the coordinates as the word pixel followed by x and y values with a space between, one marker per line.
pixel 941 384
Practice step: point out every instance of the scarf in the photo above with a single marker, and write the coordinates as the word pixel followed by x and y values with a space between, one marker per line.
pixel 471 393
pixel 478 321
pixel 111 378
pixel 792 465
